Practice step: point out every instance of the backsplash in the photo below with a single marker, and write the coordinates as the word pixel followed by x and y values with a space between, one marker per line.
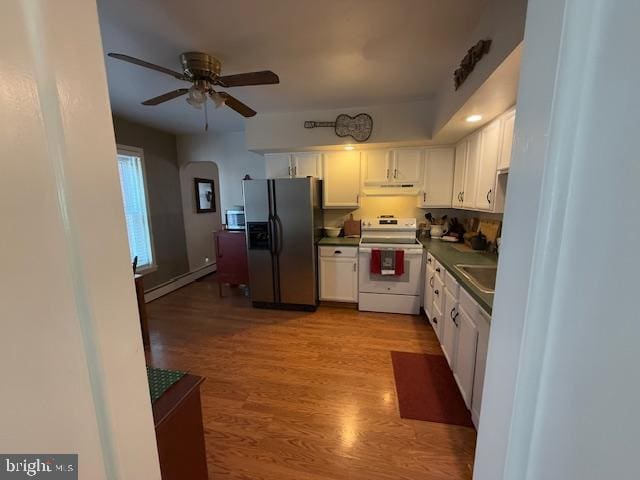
pixel 399 206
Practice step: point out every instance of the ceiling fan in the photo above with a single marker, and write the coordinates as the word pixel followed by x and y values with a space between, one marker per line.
pixel 203 71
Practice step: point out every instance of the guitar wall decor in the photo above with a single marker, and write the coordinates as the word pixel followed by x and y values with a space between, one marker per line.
pixel 358 127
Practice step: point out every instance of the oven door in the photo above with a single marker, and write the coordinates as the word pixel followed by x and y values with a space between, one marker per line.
pixel 409 283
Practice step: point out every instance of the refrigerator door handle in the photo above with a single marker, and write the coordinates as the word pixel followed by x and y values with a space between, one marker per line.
pixel 279 235
pixel 272 235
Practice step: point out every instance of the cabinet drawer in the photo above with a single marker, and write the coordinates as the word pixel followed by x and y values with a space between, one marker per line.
pixel 451 284
pixel 337 251
pixel 438 293
pixel 467 303
pixel 439 271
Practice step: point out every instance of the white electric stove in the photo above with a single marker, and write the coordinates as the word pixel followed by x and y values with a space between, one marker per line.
pixel 390 293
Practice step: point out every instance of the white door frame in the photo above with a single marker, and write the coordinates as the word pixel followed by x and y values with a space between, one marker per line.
pixel 554 407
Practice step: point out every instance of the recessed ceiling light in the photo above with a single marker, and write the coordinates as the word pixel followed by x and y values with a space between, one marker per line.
pixel 349 147
pixel 473 118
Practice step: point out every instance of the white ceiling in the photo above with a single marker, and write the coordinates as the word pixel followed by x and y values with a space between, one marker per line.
pixel 328 53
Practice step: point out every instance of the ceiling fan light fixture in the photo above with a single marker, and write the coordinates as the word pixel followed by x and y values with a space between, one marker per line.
pixel 218 100
pixel 196 97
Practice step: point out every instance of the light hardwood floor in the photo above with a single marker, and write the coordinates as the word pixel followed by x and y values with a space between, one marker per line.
pixel 293 395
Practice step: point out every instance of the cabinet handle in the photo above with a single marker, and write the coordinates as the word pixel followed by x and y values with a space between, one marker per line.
pixel 488 198
pixel 337 252
pixel 435 320
pixel 437 292
pixel 290 171
pixel 355 266
pixel 454 319
pixel 395 173
pixel 358 199
pixel 438 269
pixel 462 197
pixel 295 170
pixel 451 313
pixel 428 260
pixel 431 281
pixel 424 197
pixel 387 174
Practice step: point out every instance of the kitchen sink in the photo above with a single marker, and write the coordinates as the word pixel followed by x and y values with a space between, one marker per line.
pixel 482 276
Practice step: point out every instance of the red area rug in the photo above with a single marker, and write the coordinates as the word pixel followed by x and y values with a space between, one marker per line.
pixel 427 390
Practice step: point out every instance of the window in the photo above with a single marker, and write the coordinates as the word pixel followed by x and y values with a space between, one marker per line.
pixel 136 211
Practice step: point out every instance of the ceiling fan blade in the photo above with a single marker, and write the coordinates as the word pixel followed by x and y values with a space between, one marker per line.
pixel 165 97
pixel 266 77
pixel 142 63
pixel 237 105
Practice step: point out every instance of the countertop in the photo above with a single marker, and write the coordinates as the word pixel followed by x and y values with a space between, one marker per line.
pixel 339 241
pixel 448 256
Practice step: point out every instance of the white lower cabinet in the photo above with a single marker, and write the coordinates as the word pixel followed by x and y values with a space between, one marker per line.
pixel 338 273
pixel 462 327
pixel 465 358
pixel 449 340
pixel 481 363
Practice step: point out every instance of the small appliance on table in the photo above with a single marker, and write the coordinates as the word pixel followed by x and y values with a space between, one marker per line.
pixel 390 259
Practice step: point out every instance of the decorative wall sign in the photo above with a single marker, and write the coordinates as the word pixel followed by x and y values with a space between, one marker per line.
pixel 473 56
pixel 205 195
pixel 358 127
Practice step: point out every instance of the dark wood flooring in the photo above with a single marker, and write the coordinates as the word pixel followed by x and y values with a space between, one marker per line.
pixel 292 395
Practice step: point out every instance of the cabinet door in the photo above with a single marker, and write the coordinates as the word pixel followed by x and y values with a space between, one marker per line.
pixel 376 167
pixel 438 178
pixel 437 322
pixel 488 163
pixel 341 180
pixel 428 295
pixel 449 338
pixel 482 323
pixel 460 166
pixel 339 279
pixel 465 356
pixel 306 165
pixel 278 165
pixel 508 122
pixel 471 171
pixel 407 165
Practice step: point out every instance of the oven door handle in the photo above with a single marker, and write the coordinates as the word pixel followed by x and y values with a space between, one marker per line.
pixel 406 252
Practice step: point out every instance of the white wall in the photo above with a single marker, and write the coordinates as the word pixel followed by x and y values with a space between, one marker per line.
pixel 398 123
pixel 561 392
pixel 234 161
pixel 72 364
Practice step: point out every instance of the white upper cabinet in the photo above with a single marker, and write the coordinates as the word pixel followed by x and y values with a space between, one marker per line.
pixel 471 171
pixel 293 165
pixel 437 178
pixel 508 122
pixel 460 166
pixel 278 165
pixel 376 167
pixel 487 166
pixel 306 165
pixel 407 165
pixel 341 184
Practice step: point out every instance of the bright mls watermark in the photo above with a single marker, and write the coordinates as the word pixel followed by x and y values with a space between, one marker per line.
pixel 46 466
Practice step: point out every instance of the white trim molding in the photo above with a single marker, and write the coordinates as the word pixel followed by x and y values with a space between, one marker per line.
pixel 177 282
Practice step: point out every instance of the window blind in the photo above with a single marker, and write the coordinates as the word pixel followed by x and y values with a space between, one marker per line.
pixel 135 208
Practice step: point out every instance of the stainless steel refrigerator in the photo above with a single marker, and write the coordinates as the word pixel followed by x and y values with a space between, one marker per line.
pixel 283 223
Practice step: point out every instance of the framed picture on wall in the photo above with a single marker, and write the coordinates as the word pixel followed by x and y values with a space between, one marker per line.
pixel 205 195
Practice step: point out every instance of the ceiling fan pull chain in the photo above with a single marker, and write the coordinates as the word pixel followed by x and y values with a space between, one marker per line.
pixel 206 116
